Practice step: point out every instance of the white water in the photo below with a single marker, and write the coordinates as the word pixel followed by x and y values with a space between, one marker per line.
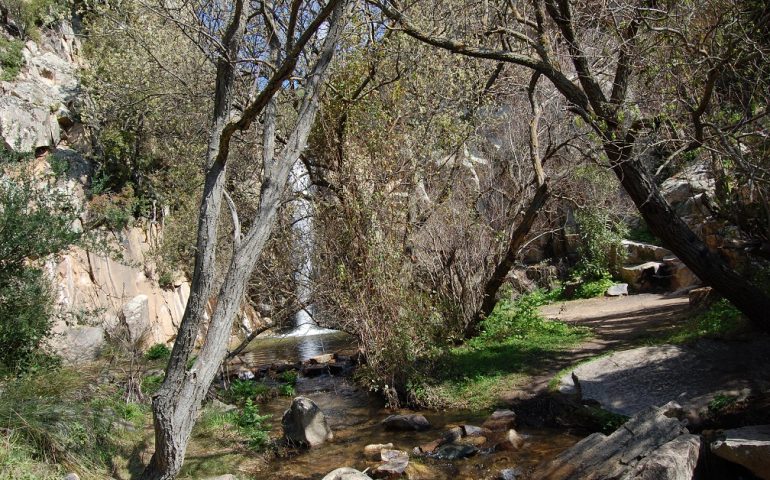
pixel 304 325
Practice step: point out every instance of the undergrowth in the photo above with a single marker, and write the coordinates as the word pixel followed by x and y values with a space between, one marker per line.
pixel 515 343
pixel 721 319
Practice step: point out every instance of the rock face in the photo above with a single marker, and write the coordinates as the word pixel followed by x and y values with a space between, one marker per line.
pixel 346 473
pixel 638 449
pixel 304 424
pixel 747 446
pixel 406 422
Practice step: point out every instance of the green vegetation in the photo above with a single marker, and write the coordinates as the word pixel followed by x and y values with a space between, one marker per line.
pixel 242 391
pixel 159 351
pixel 720 402
pixel 31 15
pixel 11 58
pixel 253 425
pixel 151 384
pixel 720 320
pixel 516 342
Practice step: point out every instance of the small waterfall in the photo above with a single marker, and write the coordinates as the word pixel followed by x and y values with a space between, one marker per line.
pixel 302 223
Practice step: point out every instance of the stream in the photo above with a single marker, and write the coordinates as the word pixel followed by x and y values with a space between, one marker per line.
pixel 355 414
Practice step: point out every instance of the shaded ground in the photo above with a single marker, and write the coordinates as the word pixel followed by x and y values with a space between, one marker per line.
pixel 631 377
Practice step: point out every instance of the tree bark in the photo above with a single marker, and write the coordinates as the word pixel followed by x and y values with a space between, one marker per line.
pixel 176 405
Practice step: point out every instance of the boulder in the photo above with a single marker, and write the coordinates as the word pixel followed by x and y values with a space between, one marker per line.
pixel 346 473
pixel 406 422
pixel 616 456
pixel 681 276
pixel 373 451
pixel 701 297
pixel 455 452
pixel 136 316
pixel 617 290
pixel 500 420
pixel 747 446
pixel 304 424
pixel 641 276
pixel 78 344
pixel 509 474
pixel 511 441
pixel 471 430
pixel 320 359
pixel 394 464
pixel 71 476
pixel 640 252
pixel 675 460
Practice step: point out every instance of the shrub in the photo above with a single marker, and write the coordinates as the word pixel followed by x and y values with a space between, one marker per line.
pixel 151 384
pixel 159 351
pixel 11 58
pixel 29 15
pixel 252 425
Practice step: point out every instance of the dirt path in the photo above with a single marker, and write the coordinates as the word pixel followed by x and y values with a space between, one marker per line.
pixel 631 377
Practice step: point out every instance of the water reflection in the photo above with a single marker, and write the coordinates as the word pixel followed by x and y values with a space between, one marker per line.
pixel 290 348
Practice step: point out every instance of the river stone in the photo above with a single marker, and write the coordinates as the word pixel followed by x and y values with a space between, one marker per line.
pixel 394 466
pixel 471 430
pixel 509 474
pixel 676 460
pixel 512 441
pixel 346 473
pixel 500 420
pixel 747 446
pixel 406 422
pixel 372 452
pixel 304 424
pixel 455 452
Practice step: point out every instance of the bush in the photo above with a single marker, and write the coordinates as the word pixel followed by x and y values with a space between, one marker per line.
pixel 151 384
pixel 600 244
pixel 252 425
pixel 29 15
pixel 159 351
pixel 11 58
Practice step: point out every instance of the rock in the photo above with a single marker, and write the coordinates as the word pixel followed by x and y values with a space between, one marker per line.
pixel 617 290
pixel 701 297
pixel 681 276
pixel 319 359
pixel 229 476
pixel 500 420
pixel 430 447
pixel 614 456
pixel 642 276
pixel 304 424
pixel 79 344
pixel 406 422
pixel 512 441
pixel 470 431
pixel 509 474
pixel 475 441
pixel 222 407
pixel 372 452
pixel 747 446
pixel 315 370
pixel 346 473
pixel 455 452
pixel 675 460
pixel 640 252
pixel 394 466
pixel 420 471
pixel 136 316
pixel 71 476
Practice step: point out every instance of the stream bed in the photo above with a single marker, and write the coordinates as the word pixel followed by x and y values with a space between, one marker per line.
pixel 354 415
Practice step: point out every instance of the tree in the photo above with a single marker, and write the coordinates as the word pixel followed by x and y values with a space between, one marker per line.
pixel 599 58
pixel 271 49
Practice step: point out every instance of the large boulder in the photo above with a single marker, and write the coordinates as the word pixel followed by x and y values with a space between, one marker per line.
pixel 747 446
pixel 136 316
pixel 675 460
pixel 304 424
pixel 78 344
pixel 415 422
pixel 640 252
pixel 633 445
pixel 346 473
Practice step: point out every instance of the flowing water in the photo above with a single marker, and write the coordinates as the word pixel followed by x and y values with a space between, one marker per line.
pixel 355 415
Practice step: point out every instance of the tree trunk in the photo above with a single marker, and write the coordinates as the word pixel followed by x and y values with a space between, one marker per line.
pixel 680 239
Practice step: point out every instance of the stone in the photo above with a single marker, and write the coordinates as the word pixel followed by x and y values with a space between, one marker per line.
pixel 372 452
pixel 319 359
pixel 346 473
pixel 701 297
pixel 475 441
pixel 394 464
pixel 681 276
pixel 304 424
pixel 80 344
pixel 641 276
pixel 414 422
pixel 509 474
pixel 640 252
pixel 455 452
pixel 471 430
pixel 617 290
pixel 229 476
pixel 747 446
pixel 616 455
pixel 500 420
pixel 675 460
pixel 430 447
pixel 512 441
pixel 421 471
pixel 136 316
pixel 71 476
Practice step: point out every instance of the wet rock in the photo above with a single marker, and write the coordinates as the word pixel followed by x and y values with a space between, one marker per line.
pixel 747 446
pixel 500 420
pixel 394 466
pixel 406 422
pixel 676 460
pixel 372 452
pixel 512 441
pixel 429 447
pixel 509 474
pixel 304 424
pixel 475 440
pixel 471 430
pixel 617 290
pixel 315 370
pixel 346 473
pixel 420 471
pixel 615 456
pixel 455 452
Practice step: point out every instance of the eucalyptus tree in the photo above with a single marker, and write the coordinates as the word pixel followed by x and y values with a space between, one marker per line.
pixel 262 50
pixel 647 78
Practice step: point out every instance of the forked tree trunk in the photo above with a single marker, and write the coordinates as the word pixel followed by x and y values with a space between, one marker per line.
pixel 176 405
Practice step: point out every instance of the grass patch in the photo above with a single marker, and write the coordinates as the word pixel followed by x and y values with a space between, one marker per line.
pixel 516 342
pixel 721 320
